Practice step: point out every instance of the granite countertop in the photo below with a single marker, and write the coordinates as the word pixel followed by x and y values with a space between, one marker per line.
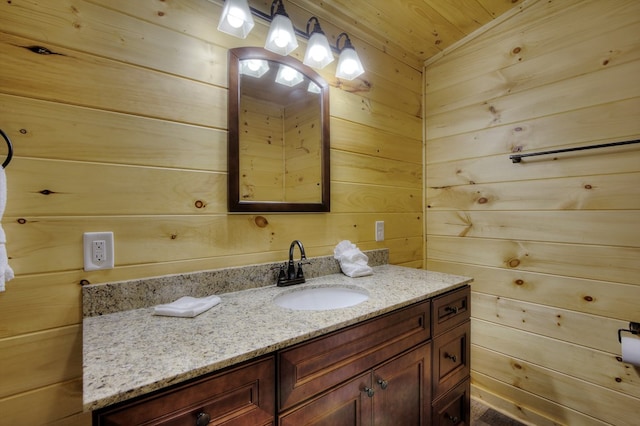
pixel 133 352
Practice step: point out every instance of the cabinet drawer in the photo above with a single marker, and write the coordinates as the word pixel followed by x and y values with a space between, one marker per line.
pixel 451 309
pixel 242 395
pixel 451 352
pixel 311 367
pixel 453 408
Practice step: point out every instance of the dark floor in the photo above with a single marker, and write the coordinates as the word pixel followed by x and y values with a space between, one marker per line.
pixel 481 415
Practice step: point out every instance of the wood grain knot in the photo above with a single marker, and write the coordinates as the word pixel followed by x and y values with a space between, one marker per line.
pixel 516 50
pixel 84 282
pixel 519 282
pixel 22 221
pixel 174 236
pixel 199 204
pixel 482 200
pixel 47 192
pixel 588 298
pixel 261 221
pixel 23 131
pixel 588 187
pixel 513 263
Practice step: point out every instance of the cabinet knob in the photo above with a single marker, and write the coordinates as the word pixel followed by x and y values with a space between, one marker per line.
pixel 203 419
pixel 383 383
pixel 369 392
pixel 451 357
pixel 453 419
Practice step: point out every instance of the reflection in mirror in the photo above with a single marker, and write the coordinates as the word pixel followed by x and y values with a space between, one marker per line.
pixel 278 134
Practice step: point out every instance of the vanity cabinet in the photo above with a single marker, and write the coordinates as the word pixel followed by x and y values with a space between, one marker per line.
pixel 451 356
pixel 243 395
pixel 377 372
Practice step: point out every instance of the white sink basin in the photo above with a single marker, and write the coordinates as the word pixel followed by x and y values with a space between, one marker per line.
pixel 321 298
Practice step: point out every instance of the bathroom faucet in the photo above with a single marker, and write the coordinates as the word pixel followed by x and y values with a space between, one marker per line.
pixel 291 276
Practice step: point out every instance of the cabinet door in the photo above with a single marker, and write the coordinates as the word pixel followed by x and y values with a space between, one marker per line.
pixel 346 405
pixel 241 396
pixel 451 352
pixel 402 389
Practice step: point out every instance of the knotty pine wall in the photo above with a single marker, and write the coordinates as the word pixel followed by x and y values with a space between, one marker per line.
pixel 553 242
pixel 121 127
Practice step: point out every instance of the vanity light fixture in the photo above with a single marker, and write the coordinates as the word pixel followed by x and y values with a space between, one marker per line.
pixel 349 65
pixel 282 37
pixel 318 54
pixel 236 18
pixel 287 76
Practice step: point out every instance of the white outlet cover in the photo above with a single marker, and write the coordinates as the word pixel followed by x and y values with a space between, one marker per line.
pixel 88 239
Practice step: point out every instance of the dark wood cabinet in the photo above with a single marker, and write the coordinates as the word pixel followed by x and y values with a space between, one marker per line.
pixel 243 395
pixel 375 373
pixel 451 358
pixel 394 393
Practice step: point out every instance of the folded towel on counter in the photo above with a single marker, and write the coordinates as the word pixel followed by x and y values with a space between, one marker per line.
pixel 353 262
pixel 187 306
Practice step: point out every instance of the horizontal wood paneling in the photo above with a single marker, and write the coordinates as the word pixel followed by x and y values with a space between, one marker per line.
pixel 594 401
pixel 552 242
pixel 558 414
pixel 124 128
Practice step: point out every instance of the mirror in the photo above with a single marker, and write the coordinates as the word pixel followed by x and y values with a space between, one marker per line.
pixel 278 134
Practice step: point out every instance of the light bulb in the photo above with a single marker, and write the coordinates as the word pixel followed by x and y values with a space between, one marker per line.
pixel 236 17
pixel 281 38
pixel 253 64
pixel 288 73
pixel 318 53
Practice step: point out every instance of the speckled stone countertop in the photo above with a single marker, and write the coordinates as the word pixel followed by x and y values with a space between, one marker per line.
pixel 133 352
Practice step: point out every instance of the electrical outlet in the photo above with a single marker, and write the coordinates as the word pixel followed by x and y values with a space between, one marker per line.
pixel 98 250
pixel 379 230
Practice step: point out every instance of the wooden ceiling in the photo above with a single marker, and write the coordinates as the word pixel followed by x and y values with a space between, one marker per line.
pixel 411 31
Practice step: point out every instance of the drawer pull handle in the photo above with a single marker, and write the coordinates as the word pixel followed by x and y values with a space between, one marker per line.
pixel 453 419
pixel 203 419
pixel 452 309
pixel 369 392
pixel 383 383
pixel 451 357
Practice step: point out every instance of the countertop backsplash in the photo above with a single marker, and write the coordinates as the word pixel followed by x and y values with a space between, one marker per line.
pixel 107 298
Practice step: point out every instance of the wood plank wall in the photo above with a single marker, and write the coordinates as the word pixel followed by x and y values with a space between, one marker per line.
pixel 122 128
pixel 553 242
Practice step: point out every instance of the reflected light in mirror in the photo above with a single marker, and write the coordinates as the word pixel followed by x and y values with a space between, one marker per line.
pixel 254 67
pixel 287 76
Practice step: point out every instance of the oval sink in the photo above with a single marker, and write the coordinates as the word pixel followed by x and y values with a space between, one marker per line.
pixel 321 298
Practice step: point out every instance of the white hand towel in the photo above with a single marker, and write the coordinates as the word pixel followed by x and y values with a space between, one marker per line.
pixel 6 273
pixel 187 306
pixel 353 262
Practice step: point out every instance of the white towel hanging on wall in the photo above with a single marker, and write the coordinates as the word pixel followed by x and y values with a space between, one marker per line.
pixel 6 273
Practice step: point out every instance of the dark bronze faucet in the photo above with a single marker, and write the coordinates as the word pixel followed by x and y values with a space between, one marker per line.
pixel 291 276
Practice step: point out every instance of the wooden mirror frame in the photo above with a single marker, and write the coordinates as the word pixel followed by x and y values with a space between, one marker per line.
pixel 235 204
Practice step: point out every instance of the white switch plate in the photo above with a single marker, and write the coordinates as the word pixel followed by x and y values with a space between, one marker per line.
pixel 379 230
pixel 98 250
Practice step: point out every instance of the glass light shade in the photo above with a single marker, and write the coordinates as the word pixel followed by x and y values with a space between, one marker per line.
pixel 236 18
pixel 318 54
pixel 281 38
pixel 313 88
pixel 288 76
pixel 349 65
pixel 254 67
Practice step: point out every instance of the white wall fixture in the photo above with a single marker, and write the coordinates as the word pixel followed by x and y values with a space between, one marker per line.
pixel 282 37
pixel 98 250
pixel 349 65
pixel 318 54
pixel 236 18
